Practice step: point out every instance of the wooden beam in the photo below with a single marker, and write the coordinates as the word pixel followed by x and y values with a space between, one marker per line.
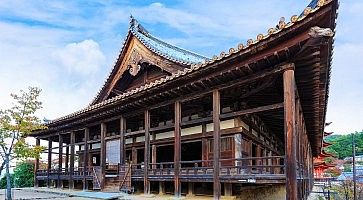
pixel 85 158
pixel 103 154
pixel 216 144
pixel 290 134
pixel 36 165
pixel 49 164
pixel 177 149
pixel 122 140
pixel 252 110
pixel 71 160
pixel 60 161
pixel 147 152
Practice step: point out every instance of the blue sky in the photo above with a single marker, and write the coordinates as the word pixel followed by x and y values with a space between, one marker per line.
pixel 68 47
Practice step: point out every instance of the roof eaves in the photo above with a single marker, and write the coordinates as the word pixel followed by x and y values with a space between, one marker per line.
pixel 194 67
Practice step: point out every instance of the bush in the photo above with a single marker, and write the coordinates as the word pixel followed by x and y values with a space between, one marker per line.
pixel 3 181
pixel 24 175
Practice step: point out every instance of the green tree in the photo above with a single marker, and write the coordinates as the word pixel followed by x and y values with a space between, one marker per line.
pixel 342 145
pixel 24 175
pixel 15 124
pixel 3 181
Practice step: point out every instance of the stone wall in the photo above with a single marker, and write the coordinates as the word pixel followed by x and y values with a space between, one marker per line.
pixel 266 192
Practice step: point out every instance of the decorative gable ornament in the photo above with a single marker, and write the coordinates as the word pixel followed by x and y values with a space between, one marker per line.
pixel 134 62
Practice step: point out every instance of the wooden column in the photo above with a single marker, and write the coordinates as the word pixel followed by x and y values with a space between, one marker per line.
pixel 36 166
pixel 85 159
pixel 216 144
pixel 227 189
pixel 103 154
pixel 49 164
pixel 147 152
pixel 133 155
pixel 66 162
pixel 71 160
pixel 122 140
pixel 177 148
pixel 204 145
pixel 190 189
pixel 290 134
pixel 60 161
pixel 161 187
pixel 153 156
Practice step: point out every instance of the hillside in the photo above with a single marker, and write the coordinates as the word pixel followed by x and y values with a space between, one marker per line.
pixel 342 145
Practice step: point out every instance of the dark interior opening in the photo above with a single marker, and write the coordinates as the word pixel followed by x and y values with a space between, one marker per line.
pixel 191 151
pixel 140 155
pixel 165 153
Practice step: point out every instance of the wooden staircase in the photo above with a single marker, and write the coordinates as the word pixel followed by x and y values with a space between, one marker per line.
pixel 96 174
pixel 125 179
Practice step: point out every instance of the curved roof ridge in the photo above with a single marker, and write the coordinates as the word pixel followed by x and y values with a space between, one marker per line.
pixel 162 48
pixel 194 67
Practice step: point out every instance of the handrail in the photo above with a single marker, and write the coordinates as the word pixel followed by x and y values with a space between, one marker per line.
pixel 95 175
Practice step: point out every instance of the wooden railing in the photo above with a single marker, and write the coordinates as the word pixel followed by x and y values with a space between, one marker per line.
pixel 78 171
pixel 237 168
pixel 270 165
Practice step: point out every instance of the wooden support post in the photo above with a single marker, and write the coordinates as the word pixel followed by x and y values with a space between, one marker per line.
pixel 290 134
pixel 190 189
pixel 153 156
pixel 216 144
pixel 122 140
pixel 66 162
pixel 204 145
pixel 103 155
pixel 161 187
pixel 71 161
pixel 85 159
pixel 60 161
pixel 147 152
pixel 49 164
pixel 177 149
pixel 36 166
pixel 133 155
pixel 227 189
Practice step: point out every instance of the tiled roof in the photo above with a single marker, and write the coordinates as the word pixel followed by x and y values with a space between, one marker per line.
pixel 162 48
pixel 282 25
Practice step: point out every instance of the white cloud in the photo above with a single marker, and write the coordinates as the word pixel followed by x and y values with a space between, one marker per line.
pixel 84 57
pixel 70 73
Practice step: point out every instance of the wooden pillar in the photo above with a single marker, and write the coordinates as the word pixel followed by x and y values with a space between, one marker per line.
pixel 204 145
pixel 85 159
pixel 71 160
pixel 290 140
pixel 190 189
pixel 161 187
pixel 36 166
pixel 103 154
pixel 216 144
pixel 60 161
pixel 134 155
pixel 66 162
pixel 227 189
pixel 122 140
pixel 49 164
pixel 153 156
pixel 177 148
pixel 147 152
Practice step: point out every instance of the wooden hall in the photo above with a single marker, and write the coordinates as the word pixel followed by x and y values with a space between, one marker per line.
pixel 168 120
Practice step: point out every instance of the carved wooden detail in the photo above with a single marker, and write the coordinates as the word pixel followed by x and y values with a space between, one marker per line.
pixel 134 62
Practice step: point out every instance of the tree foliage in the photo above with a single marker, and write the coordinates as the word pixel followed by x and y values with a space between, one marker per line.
pixel 342 145
pixel 24 174
pixel 16 123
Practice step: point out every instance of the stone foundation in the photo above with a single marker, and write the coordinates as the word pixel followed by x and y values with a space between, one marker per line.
pixel 268 192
